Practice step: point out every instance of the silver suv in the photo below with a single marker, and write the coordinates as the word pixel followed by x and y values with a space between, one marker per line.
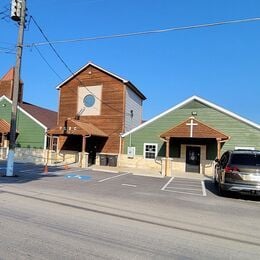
pixel 239 171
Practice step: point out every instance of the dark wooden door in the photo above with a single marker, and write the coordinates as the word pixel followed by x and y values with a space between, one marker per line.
pixel 193 159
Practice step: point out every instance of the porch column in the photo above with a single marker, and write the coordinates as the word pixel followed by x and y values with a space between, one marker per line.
pixel 51 142
pixel 218 147
pixel 83 150
pixel 167 155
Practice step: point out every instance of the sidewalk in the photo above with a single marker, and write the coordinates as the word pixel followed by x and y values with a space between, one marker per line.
pixel 148 172
pixel 134 171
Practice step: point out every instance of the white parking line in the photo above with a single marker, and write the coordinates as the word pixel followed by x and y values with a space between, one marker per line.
pixel 128 185
pixel 182 192
pixel 186 185
pixel 183 188
pixel 203 188
pixel 113 177
pixel 31 170
pixel 165 186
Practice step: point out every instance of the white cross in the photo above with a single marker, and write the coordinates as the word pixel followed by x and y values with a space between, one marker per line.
pixel 191 124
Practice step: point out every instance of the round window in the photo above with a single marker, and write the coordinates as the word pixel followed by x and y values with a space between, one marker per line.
pixel 89 100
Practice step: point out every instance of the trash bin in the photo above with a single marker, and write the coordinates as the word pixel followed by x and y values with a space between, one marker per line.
pixel 103 160
pixel 112 160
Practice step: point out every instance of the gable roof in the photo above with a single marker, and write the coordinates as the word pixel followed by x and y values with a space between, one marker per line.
pixel 42 116
pixel 45 116
pixel 9 75
pixel 5 127
pixel 201 100
pixel 196 130
pixel 126 82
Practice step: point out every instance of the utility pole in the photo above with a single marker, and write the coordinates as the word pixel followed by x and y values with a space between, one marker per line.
pixel 18 10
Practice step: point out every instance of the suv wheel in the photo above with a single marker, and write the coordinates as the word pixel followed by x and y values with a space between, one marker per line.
pixel 221 191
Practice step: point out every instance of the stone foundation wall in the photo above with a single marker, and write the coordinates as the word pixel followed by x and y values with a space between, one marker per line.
pixel 139 162
pixel 30 155
pixel 41 156
pixel 174 165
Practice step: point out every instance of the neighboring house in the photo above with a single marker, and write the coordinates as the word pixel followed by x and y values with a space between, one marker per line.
pixel 95 107
pixel 187 138
pixel 32 121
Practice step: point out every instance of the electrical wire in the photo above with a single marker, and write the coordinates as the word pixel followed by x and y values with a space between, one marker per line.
pixel 45 60
pixel 51 43
pixel 71 72
pixel 157 31
pixel 7 50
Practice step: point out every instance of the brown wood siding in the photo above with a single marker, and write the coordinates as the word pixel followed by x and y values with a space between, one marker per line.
pixel 6 89
pixel 111 120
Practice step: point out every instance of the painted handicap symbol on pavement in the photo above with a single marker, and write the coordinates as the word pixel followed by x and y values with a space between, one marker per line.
pixel 77 176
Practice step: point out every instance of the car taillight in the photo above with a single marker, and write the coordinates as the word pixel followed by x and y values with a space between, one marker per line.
pixel 230 169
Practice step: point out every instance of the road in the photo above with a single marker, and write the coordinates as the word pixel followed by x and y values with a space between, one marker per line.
pixel 99 215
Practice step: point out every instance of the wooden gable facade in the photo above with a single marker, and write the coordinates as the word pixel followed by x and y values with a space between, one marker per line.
pixel 95 107
pixel 32 121
pixel 194 129
pixel 7 85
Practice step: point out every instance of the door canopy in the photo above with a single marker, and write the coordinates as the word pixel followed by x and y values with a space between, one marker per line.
pixel 4 127
pixel 75 127
pixel 193 128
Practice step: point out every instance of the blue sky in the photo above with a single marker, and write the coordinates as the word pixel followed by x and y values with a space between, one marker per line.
pixel 220 64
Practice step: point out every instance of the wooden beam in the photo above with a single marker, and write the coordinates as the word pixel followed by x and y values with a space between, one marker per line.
pixel 167 155
pixel 83 150
pixel 2 140
pixel 218 147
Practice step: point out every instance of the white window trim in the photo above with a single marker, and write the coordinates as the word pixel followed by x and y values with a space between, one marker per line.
pixel 156 150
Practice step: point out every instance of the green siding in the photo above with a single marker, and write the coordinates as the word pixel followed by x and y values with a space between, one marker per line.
pixel 241 133
pixel 31 134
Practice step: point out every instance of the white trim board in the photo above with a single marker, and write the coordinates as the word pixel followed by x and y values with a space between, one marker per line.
pixel 25 112
pixel 203 101
pixel 95 66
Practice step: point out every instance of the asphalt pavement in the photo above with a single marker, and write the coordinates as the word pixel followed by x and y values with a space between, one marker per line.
pixel 73 213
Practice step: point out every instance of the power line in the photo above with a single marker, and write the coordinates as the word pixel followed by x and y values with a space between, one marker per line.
pixel 7 50
pixel 45 60
pixel 157 31
pixel 68 68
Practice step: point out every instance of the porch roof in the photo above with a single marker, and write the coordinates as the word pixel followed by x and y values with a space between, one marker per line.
pixel 75 127
pixel 4 127
pixel 193 128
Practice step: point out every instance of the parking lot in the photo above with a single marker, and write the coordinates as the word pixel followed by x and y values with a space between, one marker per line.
pixel 122 184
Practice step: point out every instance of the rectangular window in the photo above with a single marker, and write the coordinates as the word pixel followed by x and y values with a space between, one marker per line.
pixel 52 143
pixel 55 143
pixel 150 151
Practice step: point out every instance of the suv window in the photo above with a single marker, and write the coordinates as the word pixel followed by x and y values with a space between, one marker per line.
pixel 224 160
pixel 246 159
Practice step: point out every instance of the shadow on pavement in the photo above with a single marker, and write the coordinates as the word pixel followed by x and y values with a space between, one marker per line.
pixel 26 172
pixel 209 185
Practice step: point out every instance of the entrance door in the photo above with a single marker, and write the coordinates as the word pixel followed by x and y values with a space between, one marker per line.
pixel 192 159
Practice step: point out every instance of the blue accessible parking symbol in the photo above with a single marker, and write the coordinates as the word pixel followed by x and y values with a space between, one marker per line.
pixel 77 176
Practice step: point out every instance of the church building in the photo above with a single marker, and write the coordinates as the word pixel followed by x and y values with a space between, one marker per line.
pixel 95 108
pixel 187 138
pixel 32 121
